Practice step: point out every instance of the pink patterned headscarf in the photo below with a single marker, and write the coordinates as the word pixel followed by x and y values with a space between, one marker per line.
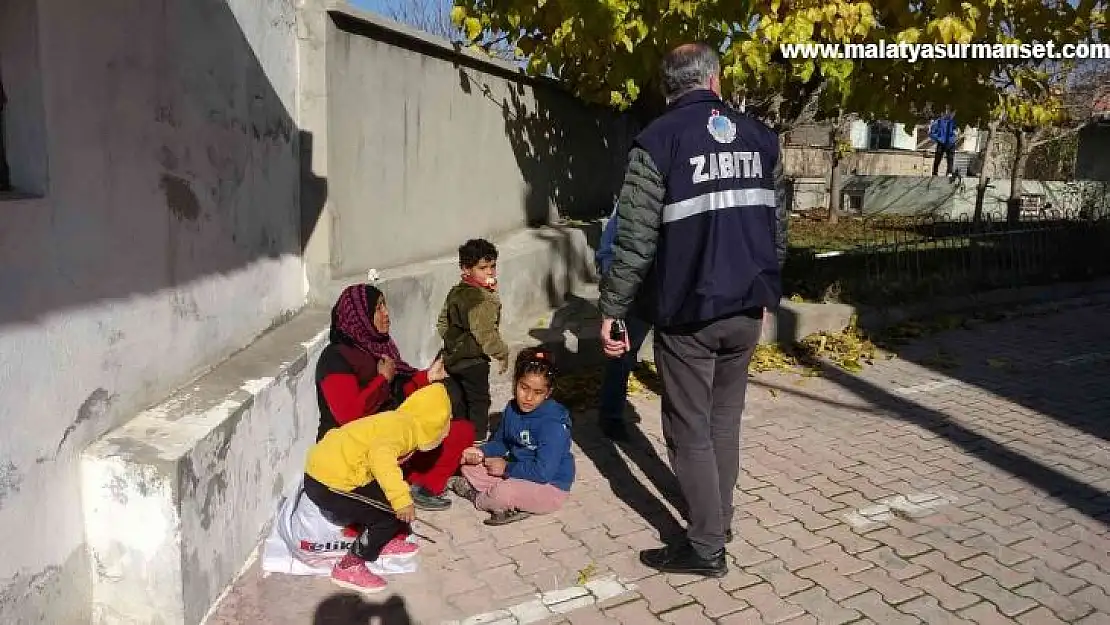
pixel 352 324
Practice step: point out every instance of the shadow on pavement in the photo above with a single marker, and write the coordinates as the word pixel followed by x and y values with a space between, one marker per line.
pixel 350 608
pixel 604 455
pixel 1084 498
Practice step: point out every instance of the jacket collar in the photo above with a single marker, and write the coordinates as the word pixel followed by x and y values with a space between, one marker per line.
pixel 696 96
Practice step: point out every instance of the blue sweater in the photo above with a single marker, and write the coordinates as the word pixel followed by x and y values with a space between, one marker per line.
pixel 537 444
pixel 944 130
pixel 603 257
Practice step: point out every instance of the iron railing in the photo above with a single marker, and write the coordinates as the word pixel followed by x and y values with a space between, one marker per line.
pixel 901 259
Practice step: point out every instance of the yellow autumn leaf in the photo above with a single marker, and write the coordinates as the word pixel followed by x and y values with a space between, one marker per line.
pixel 472 27
pixel 458 14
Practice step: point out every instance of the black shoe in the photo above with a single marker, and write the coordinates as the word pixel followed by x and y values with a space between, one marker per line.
pixel 728 535
pixel 682 558
pixel 457 484
pixel 423 499
pixel 506 517
pixel 614 430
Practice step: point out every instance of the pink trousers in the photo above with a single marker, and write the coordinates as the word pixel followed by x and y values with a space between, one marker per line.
pixel 497 494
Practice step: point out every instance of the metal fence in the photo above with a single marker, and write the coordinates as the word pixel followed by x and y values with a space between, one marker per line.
pixel 901 259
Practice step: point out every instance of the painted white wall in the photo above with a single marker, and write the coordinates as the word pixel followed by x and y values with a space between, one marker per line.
pixel 859 134
pixel 168 237
pixel 902 140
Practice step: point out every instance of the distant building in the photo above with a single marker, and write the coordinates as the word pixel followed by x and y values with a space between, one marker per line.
pixel 1094 142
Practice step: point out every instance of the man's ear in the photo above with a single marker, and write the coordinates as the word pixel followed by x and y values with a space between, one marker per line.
pixel 715 84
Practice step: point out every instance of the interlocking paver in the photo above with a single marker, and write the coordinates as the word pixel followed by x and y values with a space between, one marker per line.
pixel 660 595
pixel 1003 554
pixel 713 599
pixel 848 539
pixel 770 607
pixel 1000 550
pixel 985 614
pixel 1060 582
pixel 893 591
pixel 874 607
pixel 633 613
pixel 792 557
pixel 841 562
pixel 927 609
pixel 1005 576
pixel 784 582
pixel 1066 608
pixel 1040 616
pixel 838 586
pixel 817 602
pixel 802 538
pixel 1008 603
pixel 952 573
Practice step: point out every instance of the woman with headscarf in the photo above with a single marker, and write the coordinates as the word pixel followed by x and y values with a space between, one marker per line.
pixel 361 373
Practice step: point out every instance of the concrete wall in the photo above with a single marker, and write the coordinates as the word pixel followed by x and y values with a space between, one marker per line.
pixel 167 237
pixel 429 147
pixel 908 195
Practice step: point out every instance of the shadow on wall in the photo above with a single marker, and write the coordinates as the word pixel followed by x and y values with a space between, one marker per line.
pixel 201 183
pixel 570 154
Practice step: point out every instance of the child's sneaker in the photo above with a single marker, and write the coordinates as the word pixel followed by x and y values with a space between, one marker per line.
pixel 351 573
pixel 506 516
pixel 461 487
pixel 399 547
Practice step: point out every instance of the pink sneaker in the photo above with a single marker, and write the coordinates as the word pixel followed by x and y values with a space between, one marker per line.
pixel 399 547
pixel 351 573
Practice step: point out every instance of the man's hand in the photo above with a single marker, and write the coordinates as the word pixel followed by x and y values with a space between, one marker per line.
pixel 472 455
pixel 612 349
pixel 436 372
pixel 387 368
pixel 496 466
pixel 406 514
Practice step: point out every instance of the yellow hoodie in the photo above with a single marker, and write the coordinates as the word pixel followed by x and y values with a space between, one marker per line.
pixel 372 448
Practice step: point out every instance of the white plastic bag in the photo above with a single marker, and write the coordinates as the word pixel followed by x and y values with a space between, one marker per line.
pixel 304 542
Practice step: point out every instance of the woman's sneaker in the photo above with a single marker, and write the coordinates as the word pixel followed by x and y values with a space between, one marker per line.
pixel 507 516
pixel 399 547
pixel 458 485
pixel 351 573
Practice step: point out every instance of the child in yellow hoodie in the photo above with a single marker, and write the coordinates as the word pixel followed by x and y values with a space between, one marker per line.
pixel 361 460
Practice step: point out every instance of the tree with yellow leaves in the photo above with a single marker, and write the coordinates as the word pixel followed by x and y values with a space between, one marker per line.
pixel 608 51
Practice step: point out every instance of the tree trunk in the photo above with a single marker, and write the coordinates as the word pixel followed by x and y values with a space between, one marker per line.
pixel 1021 155
pixel 981 188
pixel 834 175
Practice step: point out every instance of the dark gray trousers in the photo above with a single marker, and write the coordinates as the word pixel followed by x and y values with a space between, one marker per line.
pixel 705 378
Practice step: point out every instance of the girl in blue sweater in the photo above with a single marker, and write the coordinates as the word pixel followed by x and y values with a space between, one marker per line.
pixel 526 467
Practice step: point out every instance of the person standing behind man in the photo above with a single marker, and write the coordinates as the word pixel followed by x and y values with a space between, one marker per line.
pixel 943 132
pixel 702 233
pixel 614 383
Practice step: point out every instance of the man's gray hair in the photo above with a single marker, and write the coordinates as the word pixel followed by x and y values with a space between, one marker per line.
pixel 688 67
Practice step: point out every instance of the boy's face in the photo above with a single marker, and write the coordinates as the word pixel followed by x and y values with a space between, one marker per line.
pixel 485 272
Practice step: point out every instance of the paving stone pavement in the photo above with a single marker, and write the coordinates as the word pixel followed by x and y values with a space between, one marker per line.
pixel 964 481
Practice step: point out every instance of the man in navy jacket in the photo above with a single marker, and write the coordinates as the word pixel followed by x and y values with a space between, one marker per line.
pixel 699 249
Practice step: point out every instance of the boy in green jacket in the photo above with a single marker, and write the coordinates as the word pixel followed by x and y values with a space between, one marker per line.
pixel 469 325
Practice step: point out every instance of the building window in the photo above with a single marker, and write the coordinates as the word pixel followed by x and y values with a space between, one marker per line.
pixel 880 135
pixel 23 157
